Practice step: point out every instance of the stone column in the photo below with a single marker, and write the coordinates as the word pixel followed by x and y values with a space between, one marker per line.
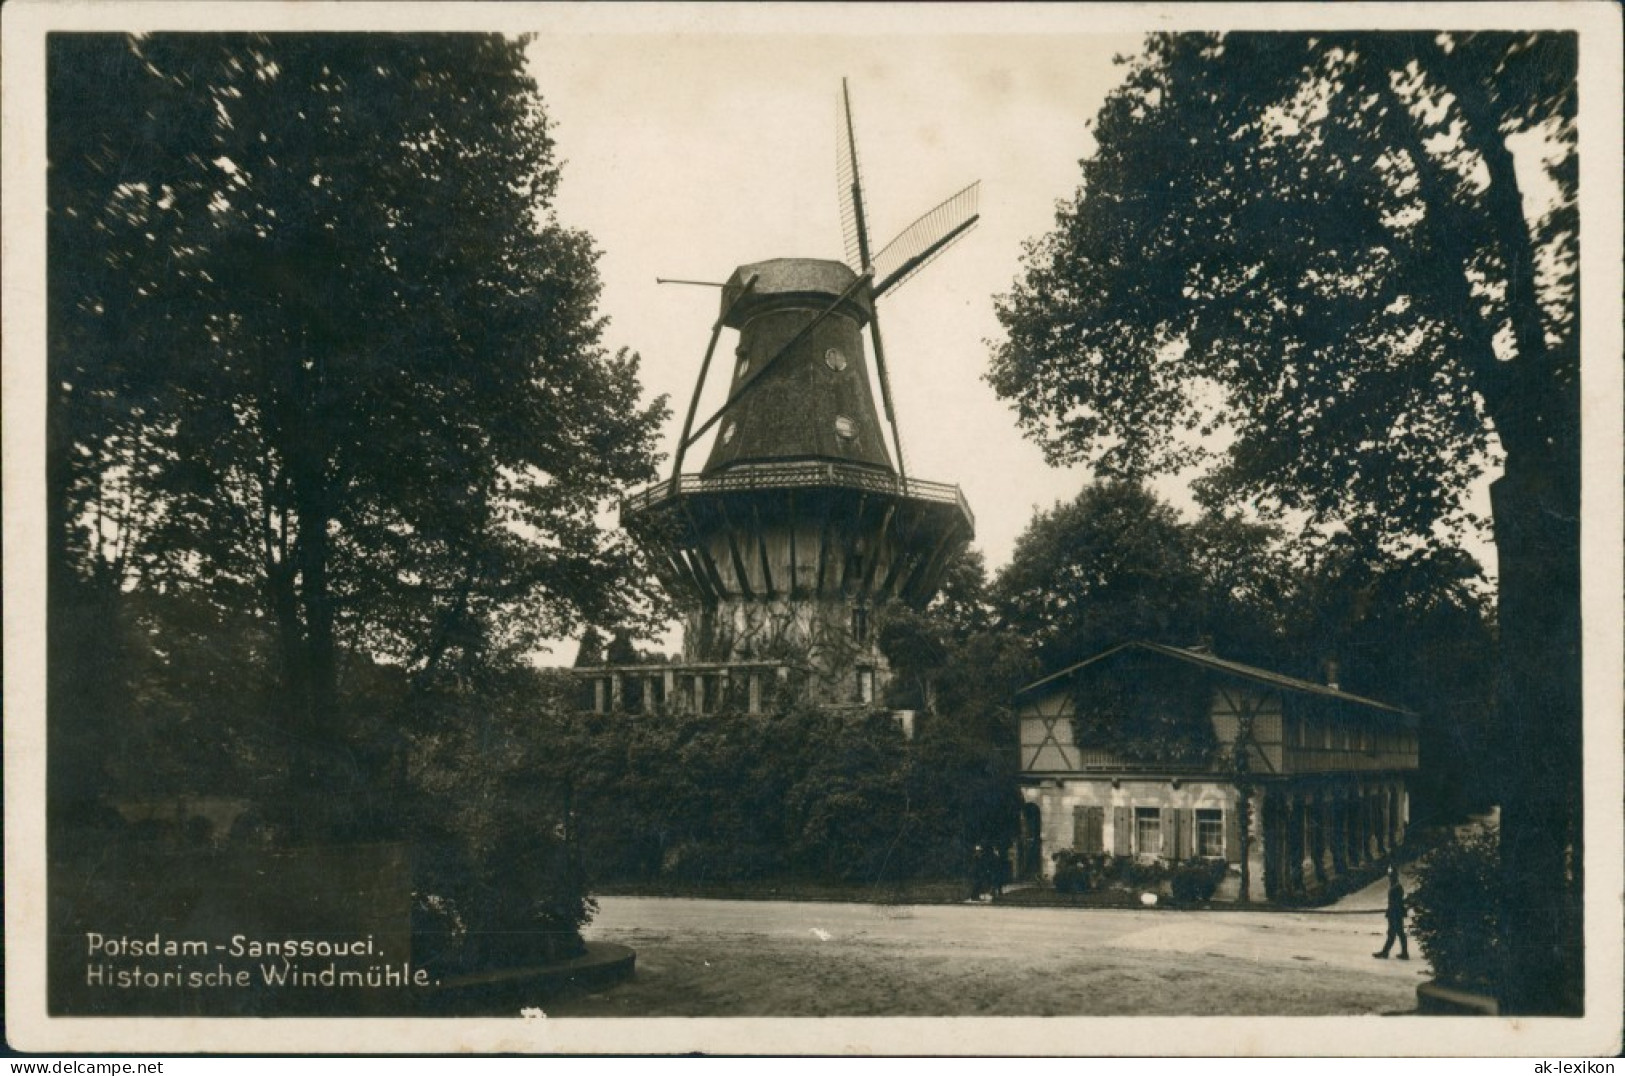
pixel 1294 844
pixel 1358 803
pixel 1317 835
pixel 1398 815
pixel 1356 856
pixel 1371 826
pixel 1340 832
pixel 1384 834
pixel 1257 854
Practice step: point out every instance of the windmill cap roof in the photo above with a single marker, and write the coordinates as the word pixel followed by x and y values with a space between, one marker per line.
pixel 813 279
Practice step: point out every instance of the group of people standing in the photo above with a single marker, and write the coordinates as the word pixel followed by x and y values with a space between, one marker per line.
pixel 989 871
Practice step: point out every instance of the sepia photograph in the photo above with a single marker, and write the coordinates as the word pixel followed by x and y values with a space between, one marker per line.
pixel 813 529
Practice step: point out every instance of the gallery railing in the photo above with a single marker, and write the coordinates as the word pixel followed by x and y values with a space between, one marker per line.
pixel 743 478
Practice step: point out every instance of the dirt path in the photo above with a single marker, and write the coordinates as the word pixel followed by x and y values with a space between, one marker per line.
pixel 766 958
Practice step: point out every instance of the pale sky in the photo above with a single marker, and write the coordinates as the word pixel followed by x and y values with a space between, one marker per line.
pixel 689 155
pixel 692 149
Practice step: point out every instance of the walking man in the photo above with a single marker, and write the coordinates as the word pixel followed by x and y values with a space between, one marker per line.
pixel 1396 917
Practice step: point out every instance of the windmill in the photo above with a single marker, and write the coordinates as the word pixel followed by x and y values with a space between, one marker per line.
pixel 799 524
pixel 877 274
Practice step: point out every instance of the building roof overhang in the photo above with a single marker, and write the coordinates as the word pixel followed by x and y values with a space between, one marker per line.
pixel 1223 667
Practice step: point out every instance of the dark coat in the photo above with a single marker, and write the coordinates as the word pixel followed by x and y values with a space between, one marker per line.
pixel 1396 902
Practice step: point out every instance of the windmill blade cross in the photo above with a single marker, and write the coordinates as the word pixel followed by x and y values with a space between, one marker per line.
pixel 930 235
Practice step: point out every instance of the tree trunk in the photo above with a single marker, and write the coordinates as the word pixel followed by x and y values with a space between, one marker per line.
pixel 1540 759
pixel 319 785
pixel 1533 401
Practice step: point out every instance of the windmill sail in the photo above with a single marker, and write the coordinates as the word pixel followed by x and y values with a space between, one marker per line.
pixel 854 228
pixel 904 256
pixel 920 242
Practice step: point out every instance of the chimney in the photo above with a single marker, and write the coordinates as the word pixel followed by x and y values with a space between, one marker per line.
pixel 1331 673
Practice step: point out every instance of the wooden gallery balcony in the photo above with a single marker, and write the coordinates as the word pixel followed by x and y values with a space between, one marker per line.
pixel 798 474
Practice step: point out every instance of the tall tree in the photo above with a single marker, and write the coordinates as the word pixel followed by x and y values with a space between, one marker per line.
pixel 1416 631
pixel 1114 564
pixel 1353 259
pixel 312 285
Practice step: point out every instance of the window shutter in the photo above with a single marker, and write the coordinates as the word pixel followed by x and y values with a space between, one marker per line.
pixel 1170 833
pixel 1122 831
pixel 1187 834
pixel 1232 833
pixel 1080 829
pixel 1095 828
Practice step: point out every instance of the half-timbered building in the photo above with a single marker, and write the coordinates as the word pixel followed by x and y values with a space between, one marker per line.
pixel 1186 755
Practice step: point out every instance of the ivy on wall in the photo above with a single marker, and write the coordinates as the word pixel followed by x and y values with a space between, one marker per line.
pixel 1143 711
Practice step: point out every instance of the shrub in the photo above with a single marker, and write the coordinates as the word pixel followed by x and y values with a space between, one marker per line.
pixel 1072 874
pixel 1196 880
pixel 1147 875
pixel 721 861
pixel 496 863
pixel 1457 909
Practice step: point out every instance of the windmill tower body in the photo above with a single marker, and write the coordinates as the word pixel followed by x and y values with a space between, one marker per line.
pixel 785 548
pixel 798 529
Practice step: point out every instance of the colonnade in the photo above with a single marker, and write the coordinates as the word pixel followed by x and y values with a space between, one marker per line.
pixel 1317 831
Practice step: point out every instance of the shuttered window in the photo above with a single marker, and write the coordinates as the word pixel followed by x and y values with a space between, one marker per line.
pixel 1184 834
pixel 1088 829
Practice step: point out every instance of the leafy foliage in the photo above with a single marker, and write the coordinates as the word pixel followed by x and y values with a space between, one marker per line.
pixel 318 347
pixel 1144 711
pixel 1455 910
pixel 805 793
pixel 1118 563
pixel 1196 880
pixel 1114 564
pixel 500 876
pixel 1339 273
pixel 331 420
pixel 952 661
pixel 1417 631
pixel 1308 243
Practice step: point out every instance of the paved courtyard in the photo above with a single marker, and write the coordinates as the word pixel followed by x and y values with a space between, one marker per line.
pixel 782 958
